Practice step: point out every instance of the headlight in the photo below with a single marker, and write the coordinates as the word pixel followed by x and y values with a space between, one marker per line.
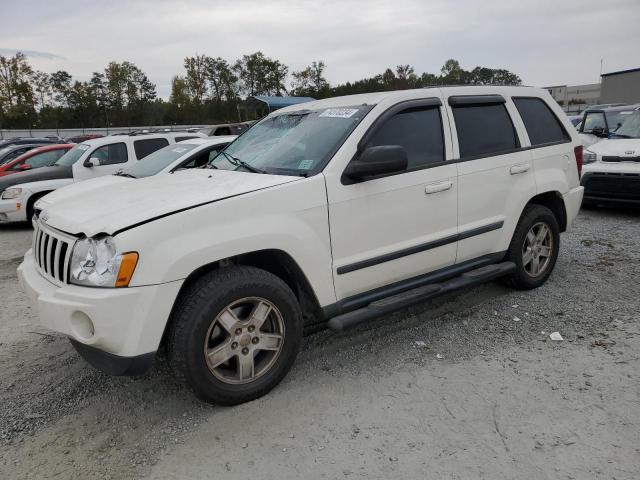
pixel 589 157
pixel 96 263
pixel 11 193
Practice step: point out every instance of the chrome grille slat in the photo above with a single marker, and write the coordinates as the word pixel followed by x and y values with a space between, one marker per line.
pixel 52 252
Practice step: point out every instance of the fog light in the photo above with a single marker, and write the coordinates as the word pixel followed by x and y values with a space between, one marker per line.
pixel 81 325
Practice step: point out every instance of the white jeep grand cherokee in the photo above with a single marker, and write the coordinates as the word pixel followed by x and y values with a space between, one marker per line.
pixel 332 212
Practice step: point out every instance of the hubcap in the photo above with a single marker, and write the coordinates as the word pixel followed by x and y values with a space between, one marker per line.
pixel 537 249
pixel 244 340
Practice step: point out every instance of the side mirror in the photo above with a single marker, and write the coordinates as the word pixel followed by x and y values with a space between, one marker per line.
pixel 91 162
pixel 374 161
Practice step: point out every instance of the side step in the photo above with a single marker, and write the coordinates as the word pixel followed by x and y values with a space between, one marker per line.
pixel 390 304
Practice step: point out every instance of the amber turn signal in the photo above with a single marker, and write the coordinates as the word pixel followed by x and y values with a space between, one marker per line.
pixel 127 267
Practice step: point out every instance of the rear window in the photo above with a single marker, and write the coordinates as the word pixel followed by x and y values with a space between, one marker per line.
pixel 484 129
pixel 542 125
pixel 148 146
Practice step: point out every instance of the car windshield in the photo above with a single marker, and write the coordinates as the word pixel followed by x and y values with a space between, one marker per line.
pixel 616 119
pixel 630 128
pixel 160 159
pixel 291 143
pixel 73 155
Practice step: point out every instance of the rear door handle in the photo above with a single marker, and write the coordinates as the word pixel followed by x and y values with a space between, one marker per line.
pixel 520 168
pixel 438 187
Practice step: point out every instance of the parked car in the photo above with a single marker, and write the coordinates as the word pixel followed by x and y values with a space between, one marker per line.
pixel 27 141
pixel 82 138
pixel 599 122
pixel 333 213
pixel 611 173
pixel 91 159
pixel 194 153
pixel 227 129
pixel 41 156
pixel 11 152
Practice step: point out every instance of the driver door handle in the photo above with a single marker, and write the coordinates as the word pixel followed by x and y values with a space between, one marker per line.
pixel 438 187
pixel 520 168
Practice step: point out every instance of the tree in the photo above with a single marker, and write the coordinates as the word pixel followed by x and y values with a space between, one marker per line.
pixel 310 81
pixel 196 77
pixel 61 87
pixel 223 83
pixel 260 75
pixel 42 87
pixel 15 76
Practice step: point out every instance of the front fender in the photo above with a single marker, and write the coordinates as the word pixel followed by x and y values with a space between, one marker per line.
pixel 292 218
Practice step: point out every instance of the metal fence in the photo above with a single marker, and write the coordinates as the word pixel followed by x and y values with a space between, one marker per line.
pixel 72 132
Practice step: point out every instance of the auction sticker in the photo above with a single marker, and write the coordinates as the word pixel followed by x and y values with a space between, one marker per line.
pixel 84 147
pixel 339 112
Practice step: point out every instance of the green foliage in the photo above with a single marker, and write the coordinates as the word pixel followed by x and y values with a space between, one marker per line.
pixel 210 90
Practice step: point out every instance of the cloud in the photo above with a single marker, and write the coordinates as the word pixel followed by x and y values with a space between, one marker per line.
pixel 545 42
pixel 31 54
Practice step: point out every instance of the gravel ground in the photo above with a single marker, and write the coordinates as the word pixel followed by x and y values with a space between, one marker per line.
pixel 468 386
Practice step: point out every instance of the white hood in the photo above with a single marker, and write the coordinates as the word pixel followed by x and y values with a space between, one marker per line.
pixel 620 147
pixel 109 204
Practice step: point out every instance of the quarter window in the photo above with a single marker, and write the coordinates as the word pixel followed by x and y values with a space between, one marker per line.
pixel 542 125
pixel 419 131
pixel 484 129
pixel 148 146
pixel 111 154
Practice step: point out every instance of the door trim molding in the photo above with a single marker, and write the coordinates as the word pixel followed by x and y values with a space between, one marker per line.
pixel 387 257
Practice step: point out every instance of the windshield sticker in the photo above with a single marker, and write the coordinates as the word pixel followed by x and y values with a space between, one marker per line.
pixel 179 150
pixel 339 112
pixel 83 147
pixel 625 113
pixel 305 164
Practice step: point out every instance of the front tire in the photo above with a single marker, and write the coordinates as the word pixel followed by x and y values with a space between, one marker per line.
pixel 534 248
pixel 235 334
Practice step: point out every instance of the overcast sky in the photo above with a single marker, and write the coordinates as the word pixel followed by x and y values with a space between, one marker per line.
pixel 546 42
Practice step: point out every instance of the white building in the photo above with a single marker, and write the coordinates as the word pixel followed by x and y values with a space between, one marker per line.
pixel 574 98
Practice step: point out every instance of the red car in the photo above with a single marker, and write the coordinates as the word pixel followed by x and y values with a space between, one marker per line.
pixel 43 156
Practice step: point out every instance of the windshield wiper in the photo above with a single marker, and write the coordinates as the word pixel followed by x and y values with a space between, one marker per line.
pixel 621 135
pixel 241 163
pixel 123 174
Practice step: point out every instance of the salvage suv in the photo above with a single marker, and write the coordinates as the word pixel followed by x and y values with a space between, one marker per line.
pixel 334 212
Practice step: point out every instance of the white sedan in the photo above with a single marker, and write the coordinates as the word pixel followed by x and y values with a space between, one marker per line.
pixel 192 153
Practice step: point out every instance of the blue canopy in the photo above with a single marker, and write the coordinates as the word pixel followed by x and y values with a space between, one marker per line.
pixel 274 103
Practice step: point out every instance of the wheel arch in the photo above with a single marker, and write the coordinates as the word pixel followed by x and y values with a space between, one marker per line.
pixel 553 201
pixel 277 262
pixel 31 201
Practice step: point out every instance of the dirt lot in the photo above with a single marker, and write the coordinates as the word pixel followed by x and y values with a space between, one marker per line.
pixel 487 395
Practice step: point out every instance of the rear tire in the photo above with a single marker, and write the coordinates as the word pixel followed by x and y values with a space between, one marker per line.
pixel 534 248
pixel 235 334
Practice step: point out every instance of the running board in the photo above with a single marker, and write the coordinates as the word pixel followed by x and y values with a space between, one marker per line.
pixel 390 304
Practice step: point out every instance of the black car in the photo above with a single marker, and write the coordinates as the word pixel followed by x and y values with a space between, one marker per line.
pixel 28 140
pixel 8 153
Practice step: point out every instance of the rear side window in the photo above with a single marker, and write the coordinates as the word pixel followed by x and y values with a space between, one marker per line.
pixel 148 146
pixel 419 131
pixel 484 129
pixel 542 125
pixel 111 154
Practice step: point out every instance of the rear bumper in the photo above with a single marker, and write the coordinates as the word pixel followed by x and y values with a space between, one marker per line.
pixel 614 187
pixel 572 201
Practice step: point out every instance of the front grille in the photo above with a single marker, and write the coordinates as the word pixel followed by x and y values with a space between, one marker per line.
pixel 52 252
pixel 611 158
pixel 613 185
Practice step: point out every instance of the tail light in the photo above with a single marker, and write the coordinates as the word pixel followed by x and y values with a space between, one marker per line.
pixel 578 153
